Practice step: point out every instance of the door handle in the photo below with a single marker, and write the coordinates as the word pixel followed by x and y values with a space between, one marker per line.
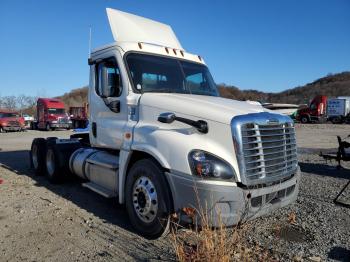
pixel 94 129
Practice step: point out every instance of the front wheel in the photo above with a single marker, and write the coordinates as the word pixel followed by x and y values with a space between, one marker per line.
pixel 148 200
pixel 304 119
pixel 48 127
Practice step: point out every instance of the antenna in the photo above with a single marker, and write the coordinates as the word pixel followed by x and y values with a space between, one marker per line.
pixel 90 41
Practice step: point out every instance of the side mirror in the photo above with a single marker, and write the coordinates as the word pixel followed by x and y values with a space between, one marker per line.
pixel 167 118
pixel 114 106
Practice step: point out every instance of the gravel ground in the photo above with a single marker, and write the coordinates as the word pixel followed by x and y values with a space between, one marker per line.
pixel 44 222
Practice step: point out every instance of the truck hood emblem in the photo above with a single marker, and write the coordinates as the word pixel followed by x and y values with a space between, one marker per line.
pixel 272 121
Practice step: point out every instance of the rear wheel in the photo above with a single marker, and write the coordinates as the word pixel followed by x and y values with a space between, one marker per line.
pixel 37 155
pixel 148 200
pixel 57 159
pixel 336 120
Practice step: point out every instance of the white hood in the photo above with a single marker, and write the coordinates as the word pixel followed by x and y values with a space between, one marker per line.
pixel 203 107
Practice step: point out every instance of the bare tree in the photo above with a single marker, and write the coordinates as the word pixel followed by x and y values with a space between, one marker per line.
pixel 21 102
pixel 9 102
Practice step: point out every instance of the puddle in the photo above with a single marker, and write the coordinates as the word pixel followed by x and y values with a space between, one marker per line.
pixel 294 234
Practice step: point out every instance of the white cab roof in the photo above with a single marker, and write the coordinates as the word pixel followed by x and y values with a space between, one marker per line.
pixel 132 28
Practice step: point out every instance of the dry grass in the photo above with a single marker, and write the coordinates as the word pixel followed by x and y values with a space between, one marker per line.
pixel 205 243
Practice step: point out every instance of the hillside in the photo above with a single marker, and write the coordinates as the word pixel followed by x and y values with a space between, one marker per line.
pixel 76 97
pixel 331 86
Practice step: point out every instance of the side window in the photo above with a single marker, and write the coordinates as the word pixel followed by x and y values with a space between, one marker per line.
pixel 108 79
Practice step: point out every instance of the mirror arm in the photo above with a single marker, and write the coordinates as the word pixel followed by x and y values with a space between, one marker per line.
pixel 168 118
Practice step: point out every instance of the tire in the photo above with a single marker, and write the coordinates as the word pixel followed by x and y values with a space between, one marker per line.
pixel 336 120
pixel 1 130
pixel 37 156
pixel 57 160
pixel 48 128
pixel 304 119
pixel 148 200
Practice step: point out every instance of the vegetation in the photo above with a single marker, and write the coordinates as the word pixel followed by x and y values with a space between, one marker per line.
pixel 332 85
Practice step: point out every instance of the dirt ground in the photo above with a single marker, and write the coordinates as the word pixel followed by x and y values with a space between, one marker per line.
pixel 44 222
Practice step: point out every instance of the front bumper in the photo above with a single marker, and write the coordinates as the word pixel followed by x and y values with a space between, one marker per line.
pixel 12 128
pixel 229 204
pixel 58 125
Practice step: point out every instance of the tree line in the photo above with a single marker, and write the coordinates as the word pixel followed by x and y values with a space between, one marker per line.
pixel 21 103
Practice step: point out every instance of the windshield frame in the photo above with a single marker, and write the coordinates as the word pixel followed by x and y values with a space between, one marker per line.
pixel 178 59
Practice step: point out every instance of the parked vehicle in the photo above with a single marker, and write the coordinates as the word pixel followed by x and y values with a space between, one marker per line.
pixel 78 116
pixel 161 139
pixel 285 109
pixel 28 120
pixel 315 112
pixel 338 110
pixel 51 115
pixel 11 121
pixel 322 109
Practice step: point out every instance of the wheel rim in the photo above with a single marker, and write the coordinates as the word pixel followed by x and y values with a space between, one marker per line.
pixel 303 120
pixel 145 200
pixel 50 162
pixel 35 156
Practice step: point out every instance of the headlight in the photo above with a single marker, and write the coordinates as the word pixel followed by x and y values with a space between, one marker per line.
pixel 206 165
pixel 54 122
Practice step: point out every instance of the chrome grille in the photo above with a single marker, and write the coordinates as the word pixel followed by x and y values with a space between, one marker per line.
pixel 62 120
pixel 13 123
pixel 266 149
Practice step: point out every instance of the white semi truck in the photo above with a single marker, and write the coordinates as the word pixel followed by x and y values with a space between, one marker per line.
pixel 161 139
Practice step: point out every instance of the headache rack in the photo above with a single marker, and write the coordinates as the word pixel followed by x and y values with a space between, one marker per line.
pixel 265 146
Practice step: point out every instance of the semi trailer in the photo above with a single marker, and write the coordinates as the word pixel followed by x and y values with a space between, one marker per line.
pixel 161 139
pixel 79 116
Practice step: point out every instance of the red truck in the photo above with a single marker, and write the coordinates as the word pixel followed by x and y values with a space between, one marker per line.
pixel 315 112
pixel 51 115
pixel 11 121
pixel 78 116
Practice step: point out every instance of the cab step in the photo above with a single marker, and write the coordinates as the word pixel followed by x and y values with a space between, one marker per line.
pixel 99 189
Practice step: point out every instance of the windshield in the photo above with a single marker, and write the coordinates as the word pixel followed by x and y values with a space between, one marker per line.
pixel 55 111
pixel 2 115
pixel 152 73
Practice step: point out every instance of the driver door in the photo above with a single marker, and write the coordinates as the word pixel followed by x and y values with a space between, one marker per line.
pixel 108 105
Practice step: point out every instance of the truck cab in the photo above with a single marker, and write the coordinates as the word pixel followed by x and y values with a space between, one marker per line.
pixel 51 114
pixel 162 140
pixel 316 111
